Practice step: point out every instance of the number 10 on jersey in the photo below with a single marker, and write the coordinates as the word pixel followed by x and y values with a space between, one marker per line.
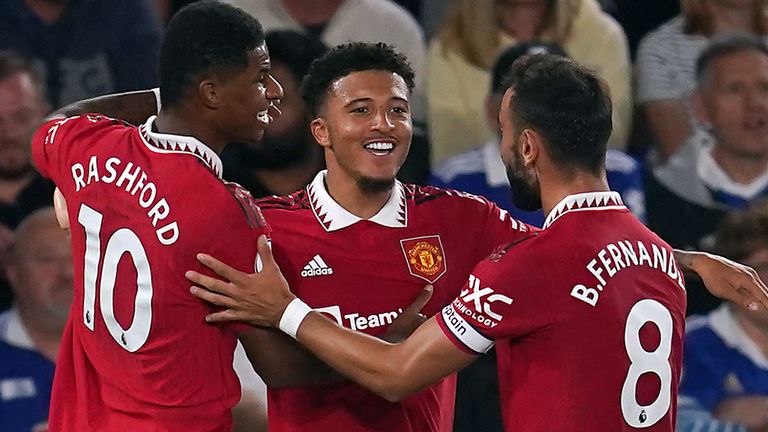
pixel 121 241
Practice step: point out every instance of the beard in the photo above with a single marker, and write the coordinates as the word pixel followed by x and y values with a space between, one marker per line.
pixel 374 185
pixel 276 152
pixel 525 190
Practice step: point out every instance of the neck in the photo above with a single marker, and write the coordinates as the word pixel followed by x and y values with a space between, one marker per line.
pixel 756 332
pixel 345 191
pixel 729 18
pixel 311 12
pixel 741 169
pixel 289 179
pixel 45 334
pixel 555 190
pixel 10 189
pixel 49 11
pixel 175 122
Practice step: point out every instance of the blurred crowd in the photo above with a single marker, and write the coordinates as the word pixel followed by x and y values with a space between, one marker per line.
pixel 688 151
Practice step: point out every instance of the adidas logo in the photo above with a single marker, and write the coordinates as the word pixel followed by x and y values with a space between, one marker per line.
pixel 316 267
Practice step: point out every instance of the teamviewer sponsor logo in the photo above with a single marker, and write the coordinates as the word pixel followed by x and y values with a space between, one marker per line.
pixel 316 267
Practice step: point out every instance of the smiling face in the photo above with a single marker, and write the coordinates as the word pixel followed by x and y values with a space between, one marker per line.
pixel 733 99
pixel 248 99
pixel 365 126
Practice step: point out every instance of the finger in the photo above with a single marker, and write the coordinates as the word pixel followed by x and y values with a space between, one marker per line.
pixel 212 298
pixel 762 296
pixel 227 315
pixel 221 269
pixel 265 252
pixel 748 300
pixel 421 300
pixel 212 284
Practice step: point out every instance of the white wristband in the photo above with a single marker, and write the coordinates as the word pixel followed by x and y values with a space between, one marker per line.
pixel 156 91
pixel 292 317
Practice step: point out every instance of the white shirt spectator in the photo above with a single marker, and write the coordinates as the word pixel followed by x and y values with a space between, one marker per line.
pixel 358 21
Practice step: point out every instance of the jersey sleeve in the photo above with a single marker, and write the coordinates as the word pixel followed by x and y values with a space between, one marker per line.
pixel 495 303
pixel 499 228
pixel 54 142
pixel 245 257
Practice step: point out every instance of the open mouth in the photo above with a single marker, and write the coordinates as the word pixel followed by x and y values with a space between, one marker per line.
pixel 380 148
pixel 756 125
pixel 264 117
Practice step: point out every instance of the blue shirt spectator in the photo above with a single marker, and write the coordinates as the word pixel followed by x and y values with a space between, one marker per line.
pixel 481 172
pixel 26 378
pixel 85 47
pixel 720 362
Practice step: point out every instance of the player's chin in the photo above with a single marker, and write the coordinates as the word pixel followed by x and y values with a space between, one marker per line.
pixel 374 184
pixel 254 138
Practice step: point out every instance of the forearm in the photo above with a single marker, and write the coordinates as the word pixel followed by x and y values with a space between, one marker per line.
pixel 132 107
pixel 393 371
pixel 285 363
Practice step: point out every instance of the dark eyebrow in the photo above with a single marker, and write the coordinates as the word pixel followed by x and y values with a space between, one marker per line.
pixel 354 101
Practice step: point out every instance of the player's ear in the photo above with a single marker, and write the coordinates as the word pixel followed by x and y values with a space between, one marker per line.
pixel 319 128
pixel 208 92
pixel 530 146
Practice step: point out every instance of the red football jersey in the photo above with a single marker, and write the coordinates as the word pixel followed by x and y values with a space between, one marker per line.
pixel 137 354
pixel 363 273
pixel 588 319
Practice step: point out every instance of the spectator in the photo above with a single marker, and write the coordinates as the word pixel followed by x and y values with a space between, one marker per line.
pixel 666 63
pixel 481 171
pixel 688 195
pixel 86 47
pixel 167 8
pixel 22 190
pixel 288 157
pixel 339 21
pixel 25 380
pixel 22 108
pixel 639 17
pixel 726 352
pixel 40 272
pixel 461 55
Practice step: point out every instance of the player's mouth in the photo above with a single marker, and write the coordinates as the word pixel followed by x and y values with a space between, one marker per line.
pixel 264 118
pixel 380 146
pixel 756 125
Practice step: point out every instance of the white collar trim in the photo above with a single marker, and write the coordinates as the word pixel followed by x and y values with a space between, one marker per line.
pixel 725 325
pixel 713 176
pixel 12 330
pixel 333 216
pixel 167 143
pixel 584 202
pixel 495 171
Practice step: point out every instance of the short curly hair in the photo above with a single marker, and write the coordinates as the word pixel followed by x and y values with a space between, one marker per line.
pixel 344 59
pixel 204 37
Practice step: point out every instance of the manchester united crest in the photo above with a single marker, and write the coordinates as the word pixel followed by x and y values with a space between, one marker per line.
pixel 425 257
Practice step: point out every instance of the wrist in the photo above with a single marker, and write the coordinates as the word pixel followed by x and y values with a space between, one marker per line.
pixel 292 317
